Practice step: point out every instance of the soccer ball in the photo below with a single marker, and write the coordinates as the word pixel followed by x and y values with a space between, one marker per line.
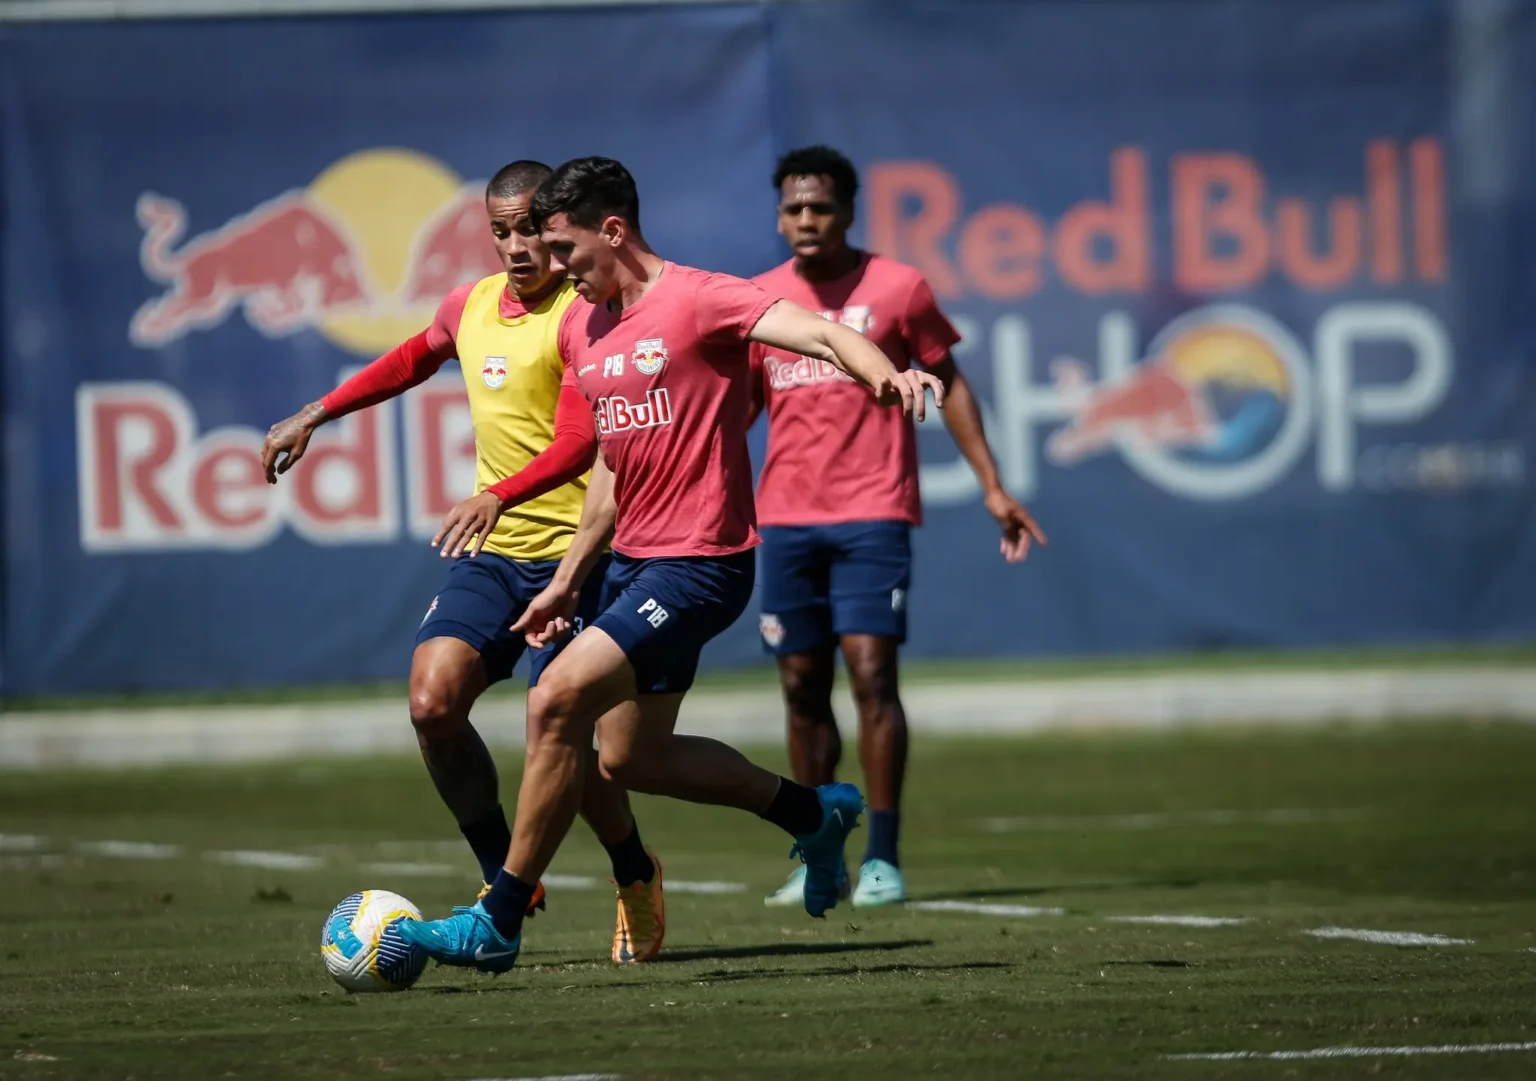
pixel 362 947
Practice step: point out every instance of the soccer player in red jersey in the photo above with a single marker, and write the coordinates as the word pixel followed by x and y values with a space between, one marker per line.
pixel 660 351
pixel 838 496
pixel 503 329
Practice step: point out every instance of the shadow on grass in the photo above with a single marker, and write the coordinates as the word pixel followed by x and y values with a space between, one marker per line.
pixel 786 949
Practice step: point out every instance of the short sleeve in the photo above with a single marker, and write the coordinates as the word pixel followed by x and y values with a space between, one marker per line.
pixel 443 334
pixel 565 337
pixel 726 308
pixel 928 334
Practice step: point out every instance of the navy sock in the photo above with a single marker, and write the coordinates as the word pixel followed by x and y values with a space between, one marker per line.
pixel 490 838
pixel 508 902
pixel 795 809
pixel 884 826
pixel 631 862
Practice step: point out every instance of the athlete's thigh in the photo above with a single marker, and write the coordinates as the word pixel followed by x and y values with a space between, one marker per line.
pixel 638 727
pixel 448 669
pixel 795 615
pixel 591 676
pixel 475 606
pixel 661 613
pixel 870 576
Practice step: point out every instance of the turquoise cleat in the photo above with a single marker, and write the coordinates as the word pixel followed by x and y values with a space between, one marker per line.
pixel 826 875
pixel 880 883
pixel 467 939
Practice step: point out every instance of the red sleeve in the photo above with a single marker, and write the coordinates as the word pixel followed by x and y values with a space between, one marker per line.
pixel 757 384
pixel 928 334
pixel 408 364
pixel 571 453
pixel 726 308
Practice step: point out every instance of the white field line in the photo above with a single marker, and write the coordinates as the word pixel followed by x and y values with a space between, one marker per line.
pixel 129 850
pixel 1364 1052
pixel 416 870
pixel 21 842
pixel 1387 938
pixel 1183 921
pixel 679 886
pixel 558 1077
pixel 1152 820
pixel 272 861
pixel 984 909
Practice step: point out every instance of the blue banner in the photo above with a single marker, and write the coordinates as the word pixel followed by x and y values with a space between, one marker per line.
pixel 1242 289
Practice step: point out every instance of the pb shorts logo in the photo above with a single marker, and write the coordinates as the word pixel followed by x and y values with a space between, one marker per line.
pixel 495 372
pixel 654 613
pixel 772 630
pixel 898 599
pixel 650 355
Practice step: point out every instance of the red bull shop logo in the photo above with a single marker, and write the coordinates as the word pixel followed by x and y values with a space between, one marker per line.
pixel 362 254
pixel 1223 401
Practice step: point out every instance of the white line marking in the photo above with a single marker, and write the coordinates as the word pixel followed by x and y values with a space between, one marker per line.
pixel 1365 1052
pixel 1183 921
pixel 984 910
pixel 21 842
pixel 129 850
pixel 419 870
pixel 1283 816
pixel 272 861
pixel 707 887
pixel 1387 938
pixel 570 882
pixel 561 1077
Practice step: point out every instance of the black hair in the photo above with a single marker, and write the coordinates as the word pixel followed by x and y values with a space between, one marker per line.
pixel 518 178
pixel 587 190
pixel 820 161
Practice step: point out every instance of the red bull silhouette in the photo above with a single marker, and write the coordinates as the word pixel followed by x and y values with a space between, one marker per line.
pixel 285 261
pixel 1153 404
pixel 453 247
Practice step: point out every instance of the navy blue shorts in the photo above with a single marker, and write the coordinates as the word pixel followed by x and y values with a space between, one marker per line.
pixel 662 611
pixel 824 581
pixel 484 595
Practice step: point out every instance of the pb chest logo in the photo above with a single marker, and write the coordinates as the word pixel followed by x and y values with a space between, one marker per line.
pixel 650 355
pixel 495 372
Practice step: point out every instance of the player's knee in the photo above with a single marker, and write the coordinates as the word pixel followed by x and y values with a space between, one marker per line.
pixel 552 710
pixel 627 767
pixel 809 696
pixel 874 686
pixel 435 705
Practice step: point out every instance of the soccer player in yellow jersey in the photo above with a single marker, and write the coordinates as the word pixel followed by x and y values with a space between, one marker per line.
pixel 503 330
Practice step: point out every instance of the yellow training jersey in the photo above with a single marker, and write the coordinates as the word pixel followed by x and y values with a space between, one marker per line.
pixel 512 370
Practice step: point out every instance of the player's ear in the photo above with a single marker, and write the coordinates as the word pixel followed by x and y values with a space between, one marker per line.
pixel 613 230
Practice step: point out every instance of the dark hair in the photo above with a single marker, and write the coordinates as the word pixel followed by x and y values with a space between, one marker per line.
pixel 587 190
pixel 516 179
pixel 819 161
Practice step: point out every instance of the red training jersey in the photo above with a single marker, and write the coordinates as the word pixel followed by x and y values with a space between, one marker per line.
pixel 834 455
pixel 668 382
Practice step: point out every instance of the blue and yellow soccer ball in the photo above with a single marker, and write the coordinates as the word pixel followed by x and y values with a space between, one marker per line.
pixel 362 946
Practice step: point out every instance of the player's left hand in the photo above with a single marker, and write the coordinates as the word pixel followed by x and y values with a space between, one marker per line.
pixel 909 389
pixel 1020 529
pixel 474 518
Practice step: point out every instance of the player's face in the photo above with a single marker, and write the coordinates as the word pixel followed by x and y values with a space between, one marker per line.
pixel 811 218
pixel 523 252
pixel 587 256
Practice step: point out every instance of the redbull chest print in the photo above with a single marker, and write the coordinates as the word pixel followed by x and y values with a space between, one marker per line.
pixel 494 372
pixel 789 373
pixel 1197 388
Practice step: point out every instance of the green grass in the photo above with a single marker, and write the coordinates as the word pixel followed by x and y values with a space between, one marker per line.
pixel 764 676
pixel 114 968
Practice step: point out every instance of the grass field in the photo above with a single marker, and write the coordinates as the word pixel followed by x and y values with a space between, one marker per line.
pixel 124 960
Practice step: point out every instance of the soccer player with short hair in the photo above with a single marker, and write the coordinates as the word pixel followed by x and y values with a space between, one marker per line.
pixel 503 329
pixel 660 351
pixel 838 497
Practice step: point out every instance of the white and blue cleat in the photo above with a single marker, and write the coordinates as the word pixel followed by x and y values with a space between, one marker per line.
pixel 467 939
pixel 826 875
pixel 880 884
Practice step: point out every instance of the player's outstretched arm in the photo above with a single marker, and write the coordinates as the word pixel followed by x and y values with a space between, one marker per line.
pixel 962 416
pixel 549 615
pixel 788 326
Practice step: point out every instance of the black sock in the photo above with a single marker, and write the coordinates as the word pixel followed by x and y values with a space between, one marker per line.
pixel 507 902
pixel 884 827
pixel 631 862
pixel 795 809
pixel 490 838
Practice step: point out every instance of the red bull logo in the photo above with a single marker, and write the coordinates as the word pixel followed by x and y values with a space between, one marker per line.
pixel 363 255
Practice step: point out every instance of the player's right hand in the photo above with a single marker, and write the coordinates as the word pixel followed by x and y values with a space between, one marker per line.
pixel 549 617
pixel 290 438
pixel 474 517
pixel 909 390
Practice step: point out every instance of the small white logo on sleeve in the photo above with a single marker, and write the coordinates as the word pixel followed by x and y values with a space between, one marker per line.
pixel 654 613
pixel 898 599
